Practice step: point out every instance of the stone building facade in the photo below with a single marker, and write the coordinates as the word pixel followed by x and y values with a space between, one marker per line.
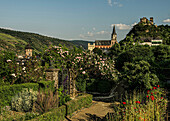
pixel 28 51
pixel 104 44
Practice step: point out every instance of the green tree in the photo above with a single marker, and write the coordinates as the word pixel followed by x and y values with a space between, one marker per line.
pixel 138 75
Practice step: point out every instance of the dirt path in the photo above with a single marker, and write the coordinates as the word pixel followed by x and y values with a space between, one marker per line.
pixel 98 109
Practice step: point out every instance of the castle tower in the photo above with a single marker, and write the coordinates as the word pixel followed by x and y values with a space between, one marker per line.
pixel 113 36
pixel 28 50
pixel 151 20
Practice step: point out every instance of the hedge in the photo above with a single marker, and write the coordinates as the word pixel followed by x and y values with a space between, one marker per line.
pixel 57 114
pixel 45 85
pixel 76 104
pixel 7 92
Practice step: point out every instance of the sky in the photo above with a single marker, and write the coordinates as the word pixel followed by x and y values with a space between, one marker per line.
pixel 80 19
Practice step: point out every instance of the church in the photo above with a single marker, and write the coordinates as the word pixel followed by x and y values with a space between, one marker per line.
pixel 104 44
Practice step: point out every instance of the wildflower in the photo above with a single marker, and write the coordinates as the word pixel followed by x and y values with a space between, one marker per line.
pixel 80 68
pixel 138 102
pixel 151 93
pixel 8 60
pixel 158 86
pixel 124 103
pixel 148 91
pixel 147 96
pixel 83 72
pixel 154 88
pixel 13 75
pixel 161 97
pixel 23 68
pixel 152 97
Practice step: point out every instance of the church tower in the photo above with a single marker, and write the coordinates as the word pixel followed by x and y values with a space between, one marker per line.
pixel 113 37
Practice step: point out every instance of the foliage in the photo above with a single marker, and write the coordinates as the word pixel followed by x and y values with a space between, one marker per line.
pixel 56 114
pixel 98 51
pixel 46 101
pixel 83 65
pixel 7 92
pixel 23 101
pixel 59 113
pixel 140 31
pixel 16 41
pixel 8 115
pixel 29 115
pixel 63 96
pixel 7 67
pixel 81 101
pixel 138 75
pixel 46 85
pixel 140 106
pixel 161 53
pixel 133 54
pixel 14 72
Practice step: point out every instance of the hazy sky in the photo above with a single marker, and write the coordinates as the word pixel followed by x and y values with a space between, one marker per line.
pixel 80 19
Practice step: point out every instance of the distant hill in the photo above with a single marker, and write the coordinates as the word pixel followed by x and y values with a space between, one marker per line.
pixel 81 43
pixel 140 32
pixel 16 41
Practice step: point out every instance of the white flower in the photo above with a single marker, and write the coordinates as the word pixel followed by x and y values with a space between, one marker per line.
pixel 13 75
pixel 23 68
pixel 80 68
pixel 83 72
pixel 8 60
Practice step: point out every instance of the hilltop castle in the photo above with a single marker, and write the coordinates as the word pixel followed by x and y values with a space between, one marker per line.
pixel 104 44
pixel 146 21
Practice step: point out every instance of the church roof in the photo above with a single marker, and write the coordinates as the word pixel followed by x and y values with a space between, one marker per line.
pixel 114 31
pixel 102 40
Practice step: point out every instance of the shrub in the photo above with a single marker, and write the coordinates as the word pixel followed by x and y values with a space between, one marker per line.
pixel 46 85
pixel 63 97
pixel 46 101
pixel 7 92
pixel 56 114
pixel 23 101
pixel 78 103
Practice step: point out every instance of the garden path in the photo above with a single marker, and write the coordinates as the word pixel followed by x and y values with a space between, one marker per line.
pixel 97 111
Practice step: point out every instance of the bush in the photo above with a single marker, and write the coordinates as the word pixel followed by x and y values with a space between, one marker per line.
pixel 23 101
pixel 63 97
pixel 7 92
pixel 57 114
pixel 46 101
pixel 82 101
pixel 46 85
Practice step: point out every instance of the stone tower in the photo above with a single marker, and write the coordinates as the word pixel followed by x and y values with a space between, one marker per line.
pixel 28 50
pixel 151 20
pixel 113 37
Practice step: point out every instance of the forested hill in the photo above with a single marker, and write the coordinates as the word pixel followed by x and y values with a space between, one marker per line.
pixel 16 41
pixel 81 43
pixel 141 32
